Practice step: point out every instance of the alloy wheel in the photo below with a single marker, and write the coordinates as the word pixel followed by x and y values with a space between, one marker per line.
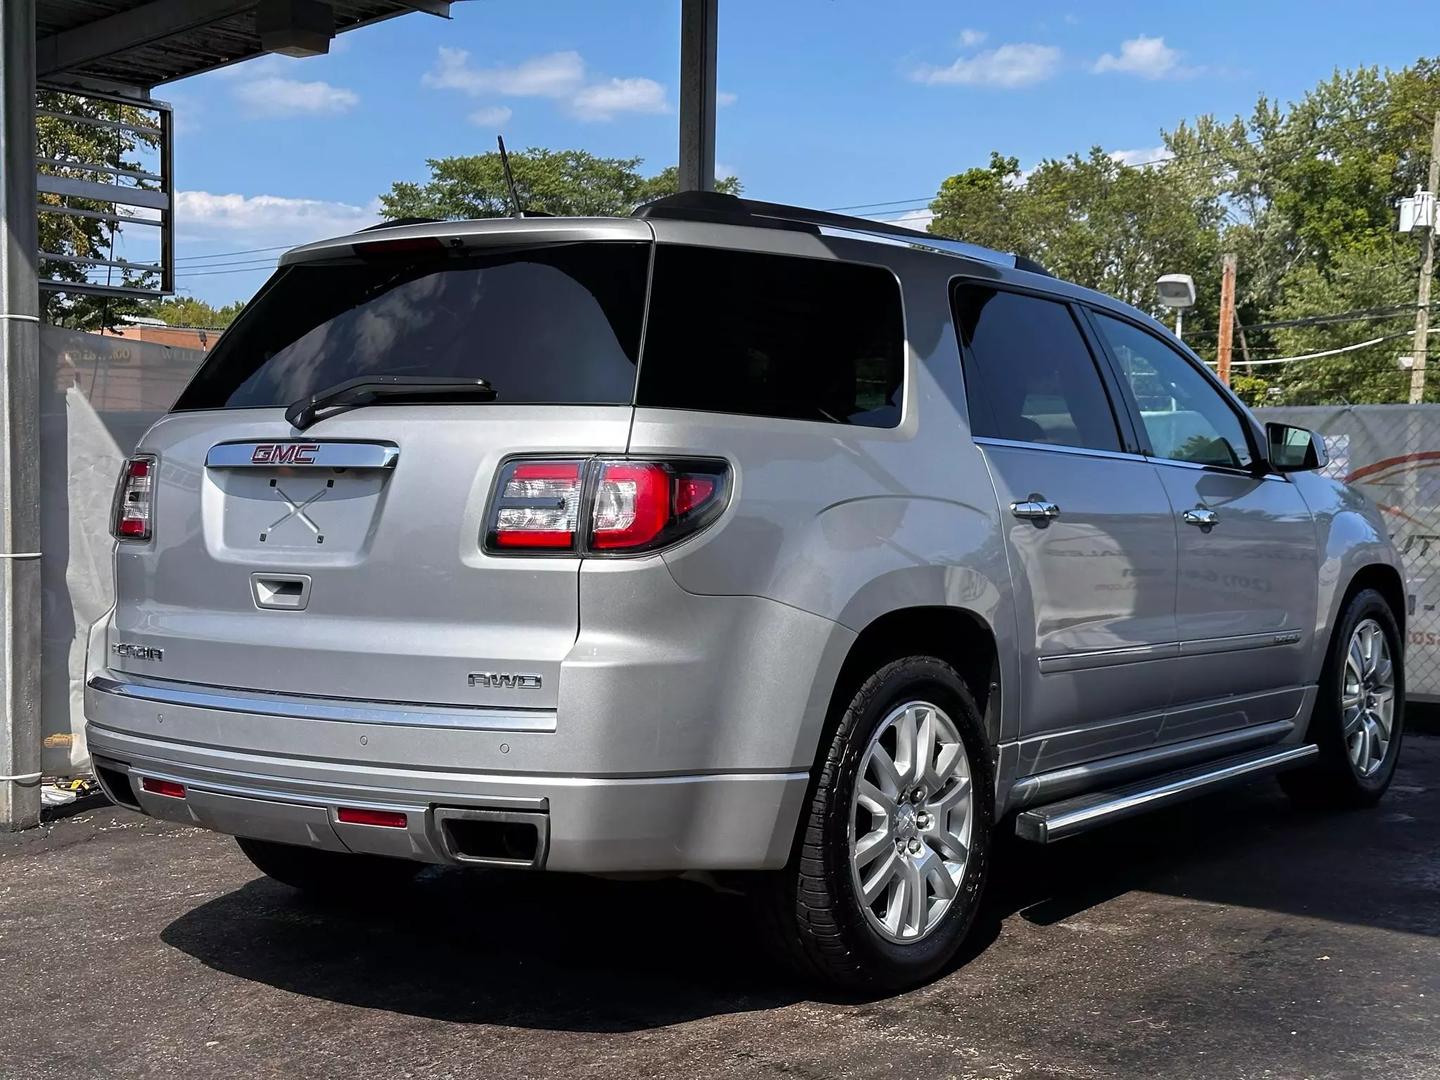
pixel 1367 698
pixel 910 822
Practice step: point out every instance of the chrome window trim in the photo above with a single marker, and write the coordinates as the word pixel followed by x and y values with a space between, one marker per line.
pixel 225 699
pixel 1223 470
pixel 1058 448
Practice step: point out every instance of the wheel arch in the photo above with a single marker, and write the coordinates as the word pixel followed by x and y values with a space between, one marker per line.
pixel 959 636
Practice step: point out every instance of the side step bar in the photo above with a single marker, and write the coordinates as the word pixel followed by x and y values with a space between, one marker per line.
pixel 1071 817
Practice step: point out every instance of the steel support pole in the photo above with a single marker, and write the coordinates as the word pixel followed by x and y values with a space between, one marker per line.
pixel 19 426
pixel 698 29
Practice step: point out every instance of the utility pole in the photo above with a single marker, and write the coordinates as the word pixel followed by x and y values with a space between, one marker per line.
pixel 19 425
pixel 1427 274
pixel 1227 318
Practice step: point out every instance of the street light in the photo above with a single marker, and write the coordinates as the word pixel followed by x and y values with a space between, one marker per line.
pixel 1177 291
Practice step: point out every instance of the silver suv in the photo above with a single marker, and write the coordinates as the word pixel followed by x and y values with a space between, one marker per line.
pixel 728 537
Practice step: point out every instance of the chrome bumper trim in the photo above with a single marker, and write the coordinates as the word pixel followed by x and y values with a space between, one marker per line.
pixel 476 718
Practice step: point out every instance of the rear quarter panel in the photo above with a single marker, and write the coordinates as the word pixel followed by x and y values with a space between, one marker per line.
pixel 850 523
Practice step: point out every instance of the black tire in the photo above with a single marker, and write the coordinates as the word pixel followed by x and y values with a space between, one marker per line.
pixel 811 908
pixel 1333 780
pixel 333 875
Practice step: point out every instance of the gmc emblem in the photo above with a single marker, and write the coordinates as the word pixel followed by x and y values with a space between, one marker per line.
pixel 284 454
pixel 504 680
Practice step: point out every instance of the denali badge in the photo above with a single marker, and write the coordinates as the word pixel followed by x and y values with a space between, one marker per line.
pixel 139 652
pixel 504 680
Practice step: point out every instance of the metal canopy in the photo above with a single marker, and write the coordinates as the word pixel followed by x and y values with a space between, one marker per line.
pixel 141 43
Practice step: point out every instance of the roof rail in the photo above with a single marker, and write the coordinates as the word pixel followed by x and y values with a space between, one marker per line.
pixel 732 210
pixel 395 223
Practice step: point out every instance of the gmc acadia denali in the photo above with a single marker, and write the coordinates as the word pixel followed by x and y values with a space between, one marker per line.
pixel 725 537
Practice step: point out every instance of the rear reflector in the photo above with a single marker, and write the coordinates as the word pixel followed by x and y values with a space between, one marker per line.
pixel 169 788
pixel 134 499
pixel 385 819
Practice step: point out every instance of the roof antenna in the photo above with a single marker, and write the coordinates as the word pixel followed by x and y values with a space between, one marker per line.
pixel 509 178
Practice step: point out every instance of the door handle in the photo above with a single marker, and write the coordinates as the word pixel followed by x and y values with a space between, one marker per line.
pixel 1205 519
pixel 1036 508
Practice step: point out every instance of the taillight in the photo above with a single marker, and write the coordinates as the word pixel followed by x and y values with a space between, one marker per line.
pixel 631 505
pixel 538 506
pixel 134 499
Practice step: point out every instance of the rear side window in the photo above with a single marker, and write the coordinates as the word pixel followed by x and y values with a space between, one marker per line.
pixel 773 335
pixel 555 325
pixel 1029 376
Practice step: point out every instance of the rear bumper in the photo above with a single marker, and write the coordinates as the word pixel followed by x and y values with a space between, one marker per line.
pixel 588 824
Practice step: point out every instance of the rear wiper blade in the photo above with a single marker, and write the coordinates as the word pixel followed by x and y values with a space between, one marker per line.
pixel 372 389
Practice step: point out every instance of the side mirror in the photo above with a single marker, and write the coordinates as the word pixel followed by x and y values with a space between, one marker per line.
pixel 1294 449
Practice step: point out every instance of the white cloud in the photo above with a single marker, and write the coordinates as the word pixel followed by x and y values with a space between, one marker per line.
pixel 912 219
pixel 1143 155
pixel 561 76
pixel 604 100
pixel 970 38
pixel 554 75
pixel 725 97
pixel 1007 66
pixel 261 220
pixel 724 172
pixel 1146 57
pixel 491 116
pixel 277 96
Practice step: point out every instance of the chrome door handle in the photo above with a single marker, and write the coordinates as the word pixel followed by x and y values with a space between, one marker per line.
pixel 1205 519
pixel 1035 508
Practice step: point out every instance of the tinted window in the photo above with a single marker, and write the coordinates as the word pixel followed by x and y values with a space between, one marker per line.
pixel 769 335
pixel 1029 375
pixel 545 325
pixel 1185 417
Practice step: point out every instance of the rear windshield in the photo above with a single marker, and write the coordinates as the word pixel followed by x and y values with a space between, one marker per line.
pixel 556 325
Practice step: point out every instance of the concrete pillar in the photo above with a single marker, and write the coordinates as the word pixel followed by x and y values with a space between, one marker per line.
pixel 19 425
pixel 698 28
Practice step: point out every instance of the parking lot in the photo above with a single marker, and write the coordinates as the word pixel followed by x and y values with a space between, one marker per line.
pixel 1232 937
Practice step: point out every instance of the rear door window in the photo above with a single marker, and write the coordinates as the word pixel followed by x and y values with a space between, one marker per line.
pixel 551 325
pixel 1029 375
pixel 773 335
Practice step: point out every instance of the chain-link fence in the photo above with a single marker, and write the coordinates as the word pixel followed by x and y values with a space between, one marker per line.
pixel 1392 454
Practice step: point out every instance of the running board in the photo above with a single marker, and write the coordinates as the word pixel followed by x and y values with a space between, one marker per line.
pixel 1070 817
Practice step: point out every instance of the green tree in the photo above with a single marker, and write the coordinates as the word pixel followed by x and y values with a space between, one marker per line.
pixel 188 311
pixel 559 182
pixel 72 145
pixel 1088 219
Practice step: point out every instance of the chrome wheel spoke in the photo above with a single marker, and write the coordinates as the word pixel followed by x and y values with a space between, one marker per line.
pixel 883 767
pixel 880 880
pixel 876 801
pixel 949 798
pixel 874 844
pixel 917 899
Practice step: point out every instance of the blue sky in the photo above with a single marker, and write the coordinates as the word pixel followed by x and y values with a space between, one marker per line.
pixel 827 103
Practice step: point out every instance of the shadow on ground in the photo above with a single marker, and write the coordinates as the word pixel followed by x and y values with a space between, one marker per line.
pixel 569 953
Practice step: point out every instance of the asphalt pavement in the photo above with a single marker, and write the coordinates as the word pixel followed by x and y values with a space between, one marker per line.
pixel 1231 937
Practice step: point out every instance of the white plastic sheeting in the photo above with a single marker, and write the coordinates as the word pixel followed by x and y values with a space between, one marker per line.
pixel 98 396
pixel 1392 454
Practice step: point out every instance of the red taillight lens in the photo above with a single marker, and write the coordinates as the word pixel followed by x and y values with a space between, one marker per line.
pixel 134 499
pixel 385 819
pixel 169 788
pixel 632 505
pixel 538 506
pixel 644 505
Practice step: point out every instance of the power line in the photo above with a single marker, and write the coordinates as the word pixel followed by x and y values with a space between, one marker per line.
pixel 228 254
